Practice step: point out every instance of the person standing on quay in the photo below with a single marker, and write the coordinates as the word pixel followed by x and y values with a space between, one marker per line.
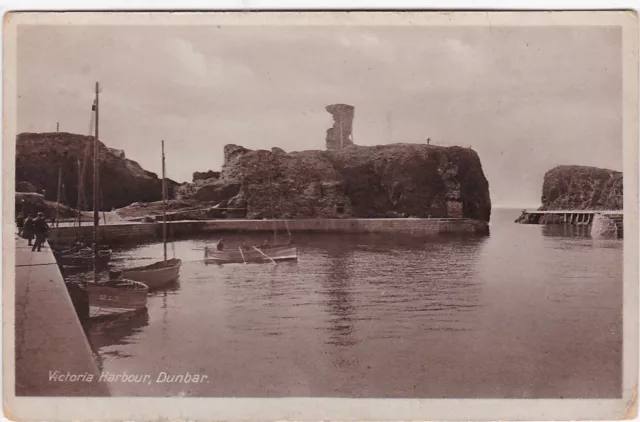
pixel 20 223
pixel 41 228
pixel 28 229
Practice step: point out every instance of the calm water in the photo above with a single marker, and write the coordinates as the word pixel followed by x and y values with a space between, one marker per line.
pixel 528 312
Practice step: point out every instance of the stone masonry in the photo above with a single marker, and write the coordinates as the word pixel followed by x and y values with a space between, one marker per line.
pixel 340 135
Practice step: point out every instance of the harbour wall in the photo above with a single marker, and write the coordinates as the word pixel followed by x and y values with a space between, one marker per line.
pixel 124 233
pixel 614 218
pixel 50 342
pixel 135 232
pixel 413 226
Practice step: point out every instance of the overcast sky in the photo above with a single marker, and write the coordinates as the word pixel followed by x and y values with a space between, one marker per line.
pixel 526 99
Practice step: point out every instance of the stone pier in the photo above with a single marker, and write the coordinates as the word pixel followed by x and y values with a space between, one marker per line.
pixel 573 217
pixel 148 232
pixel 53 356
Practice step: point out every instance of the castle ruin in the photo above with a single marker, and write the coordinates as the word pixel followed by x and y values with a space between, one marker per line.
pixel 340 135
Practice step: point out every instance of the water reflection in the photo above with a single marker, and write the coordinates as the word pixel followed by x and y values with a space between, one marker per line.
pixel 566 230
pixel 509 315
pixel 115 332
pixel 339 302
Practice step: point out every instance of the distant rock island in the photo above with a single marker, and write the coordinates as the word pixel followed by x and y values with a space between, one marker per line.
pixel 581 188
pixel 576 188
pixel 39 157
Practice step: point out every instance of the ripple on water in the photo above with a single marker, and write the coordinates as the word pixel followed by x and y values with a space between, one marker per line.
pixel 386 317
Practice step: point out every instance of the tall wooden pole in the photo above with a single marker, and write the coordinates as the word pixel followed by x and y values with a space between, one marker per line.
pixel 59 187
pixel 273 217
pixel 96 215
pixel 340 123
pixel 79 202
pixel 57 126
pixel 164 207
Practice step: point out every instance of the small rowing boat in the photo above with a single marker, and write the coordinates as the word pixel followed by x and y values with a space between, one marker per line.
pixel 116 297
pixel 273 254
pixel 82 257
pixel 156 275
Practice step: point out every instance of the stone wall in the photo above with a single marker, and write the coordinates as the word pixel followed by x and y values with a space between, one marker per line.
pixel 412 226
pixel 118 234
pixel 340 135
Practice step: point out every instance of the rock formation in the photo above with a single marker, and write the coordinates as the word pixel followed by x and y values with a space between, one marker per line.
pixel 33 203
pixel 205 175
pixel 340 135
pixel 380 181
pixel 122 181
pixel 581 188
pixel 22 186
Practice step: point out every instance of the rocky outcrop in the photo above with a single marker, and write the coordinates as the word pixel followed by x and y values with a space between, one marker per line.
pixel 32 203
pixel 582 188
pixel 379 181
pixel 205 175
pixel 22 186
pixel 208 190
pixel 414 180
pixel 122 181
pixel 340 135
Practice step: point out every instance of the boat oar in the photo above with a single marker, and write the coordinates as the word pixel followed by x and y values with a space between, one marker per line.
pixel 242 254
pixel 272 260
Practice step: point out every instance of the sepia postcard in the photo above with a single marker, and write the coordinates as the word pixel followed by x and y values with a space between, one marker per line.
pixel 320 215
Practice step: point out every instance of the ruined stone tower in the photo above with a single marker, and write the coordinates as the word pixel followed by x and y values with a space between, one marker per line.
pixel 340 135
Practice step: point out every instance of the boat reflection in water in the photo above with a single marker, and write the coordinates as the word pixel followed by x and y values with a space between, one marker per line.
pixel 117 331
pixel 394 317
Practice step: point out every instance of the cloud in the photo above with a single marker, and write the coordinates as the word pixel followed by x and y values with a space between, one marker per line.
pixel 194 62
pixel 365 43
pixel 524 98
pixel 457 46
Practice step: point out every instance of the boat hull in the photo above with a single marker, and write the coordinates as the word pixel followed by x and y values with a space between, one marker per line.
pixel 82 259
pixel 278 253
pixel 156 275
pixel 125 297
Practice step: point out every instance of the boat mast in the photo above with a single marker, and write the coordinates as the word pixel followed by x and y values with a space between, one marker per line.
pixel 79 207
pixel 164 208
pixel 273 217
pixel 96 215
pixel 59 185
pixel 341 136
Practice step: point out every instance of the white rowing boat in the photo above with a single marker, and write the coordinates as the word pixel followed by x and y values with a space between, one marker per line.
pixel 156 275
pixel 161 273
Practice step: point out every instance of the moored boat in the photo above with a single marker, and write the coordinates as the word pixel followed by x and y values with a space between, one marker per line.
pixel 273 254
pixel 116 297
pixel 82 258
pixel 156 275
pixel 161 273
